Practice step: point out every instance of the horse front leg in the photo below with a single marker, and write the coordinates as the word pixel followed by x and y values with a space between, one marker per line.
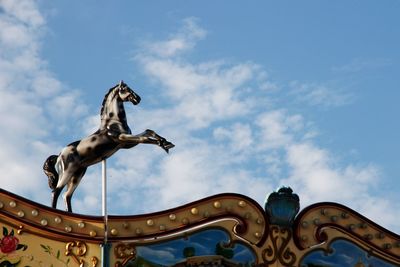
pixel 166 145
pixel 147 137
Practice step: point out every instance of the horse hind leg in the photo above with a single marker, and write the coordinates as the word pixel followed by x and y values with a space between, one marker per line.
pixel 56 194
pixel 65 176
pixel 71 186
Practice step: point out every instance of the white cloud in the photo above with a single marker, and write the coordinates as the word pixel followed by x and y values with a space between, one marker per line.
pixel 45 85
pixel 313 173
pixel 206 92
pixel 25 11
pixel 239 136
pixel 319 178
pixel 182 41
pixel 278 128
pixel 66 105
pixel 319 94
pixel 27 89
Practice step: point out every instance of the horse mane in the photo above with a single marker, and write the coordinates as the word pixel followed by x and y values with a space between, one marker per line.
pixel 105 99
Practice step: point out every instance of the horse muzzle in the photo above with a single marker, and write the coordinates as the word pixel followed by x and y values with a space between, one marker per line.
pixel 135 99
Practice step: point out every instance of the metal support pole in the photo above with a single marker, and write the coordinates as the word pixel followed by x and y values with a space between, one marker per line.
pixel 104 197
pixel 105 247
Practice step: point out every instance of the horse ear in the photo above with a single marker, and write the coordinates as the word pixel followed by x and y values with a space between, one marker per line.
pixel 121 82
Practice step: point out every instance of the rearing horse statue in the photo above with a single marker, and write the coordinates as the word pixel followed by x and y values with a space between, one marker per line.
pixel 114 133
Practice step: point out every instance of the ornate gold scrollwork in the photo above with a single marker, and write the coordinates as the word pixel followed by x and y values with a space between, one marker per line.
pixel 124 252
pixel 76 249
pixel 279 250
pixel 20 229
pixel 95 260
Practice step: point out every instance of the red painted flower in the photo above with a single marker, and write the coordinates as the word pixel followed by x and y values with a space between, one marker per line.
pixel 8 244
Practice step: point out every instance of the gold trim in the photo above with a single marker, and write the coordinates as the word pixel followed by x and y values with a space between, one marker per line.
pixel 20 229
pixel 278 250
pixel 76 249
pixel 95 261
pixel 124 252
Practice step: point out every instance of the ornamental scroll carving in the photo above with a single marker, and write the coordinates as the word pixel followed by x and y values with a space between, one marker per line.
pixel 124 252
pixel 277 248
pixel 77 250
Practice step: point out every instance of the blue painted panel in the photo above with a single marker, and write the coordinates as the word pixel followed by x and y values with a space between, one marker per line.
pixel 201 245
pixel 343 254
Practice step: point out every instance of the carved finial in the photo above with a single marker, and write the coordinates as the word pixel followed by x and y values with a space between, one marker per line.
pixel 282 206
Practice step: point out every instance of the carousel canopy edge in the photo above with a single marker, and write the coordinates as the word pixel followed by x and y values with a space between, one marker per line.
pixel 298 236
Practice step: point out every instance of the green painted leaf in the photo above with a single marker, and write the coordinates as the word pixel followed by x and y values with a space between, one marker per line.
pixel 46 248
pixel 12 232
pixel 58 254
pixel 22 246
pixel 5 231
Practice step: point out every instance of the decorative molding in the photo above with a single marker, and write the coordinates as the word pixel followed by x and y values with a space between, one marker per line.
pixel 249 219
pixel 320 223
pixel 273 236
pixel 94 261
pixel 77 250
pixel 277 250
pixel 124 252
pixel 251 223
pixel 38 219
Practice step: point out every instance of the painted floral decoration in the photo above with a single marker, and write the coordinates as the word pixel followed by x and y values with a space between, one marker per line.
pixel 8 244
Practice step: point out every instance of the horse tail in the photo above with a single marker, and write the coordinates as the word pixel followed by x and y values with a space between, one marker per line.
pixel 49 169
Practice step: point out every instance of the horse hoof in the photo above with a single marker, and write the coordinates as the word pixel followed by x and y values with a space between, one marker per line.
pixel 170 145
pixel 167 146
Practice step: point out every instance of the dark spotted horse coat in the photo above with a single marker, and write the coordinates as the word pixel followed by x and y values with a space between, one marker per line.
pixel 68 168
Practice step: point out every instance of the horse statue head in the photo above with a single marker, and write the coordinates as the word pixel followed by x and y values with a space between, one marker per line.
pixel 112 109
pixel 127 94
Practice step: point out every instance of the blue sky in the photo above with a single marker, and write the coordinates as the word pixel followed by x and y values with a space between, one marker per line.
pixel 255 96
